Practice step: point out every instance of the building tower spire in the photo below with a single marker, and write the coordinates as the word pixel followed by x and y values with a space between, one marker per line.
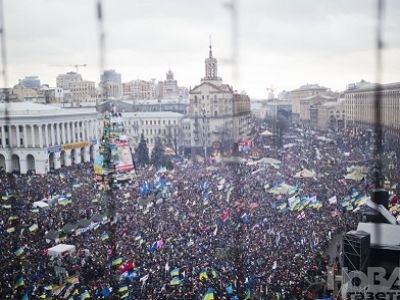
pixel 211 65
pixel 210 51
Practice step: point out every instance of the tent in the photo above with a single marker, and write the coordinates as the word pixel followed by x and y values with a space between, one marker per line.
pixel 356 173
pixel 40 204
pixel 83 223
pixel 52 235
pixel 305 173
pixel 61 250
pixel 233 159
pixel 266 133
pixel 265 161
pixel 283 188
pixel 69 228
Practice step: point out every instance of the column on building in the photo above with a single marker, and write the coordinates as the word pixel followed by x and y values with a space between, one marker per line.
pixel 73 133
pixel 10 135
pixel 87 153
pixel 33 136
pixel 18 136
pixel 57 160
pixel 3 136
pixel 52 134
pixel 67 157
pixel 63 135
pixel 25 136
pixel 58 134
pixel 68 133
pixel 78 159
pixel 40 131
pixel 46 134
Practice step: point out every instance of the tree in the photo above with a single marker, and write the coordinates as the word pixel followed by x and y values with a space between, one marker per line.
pixel 158 157
pixel 173 136
pixel 142 152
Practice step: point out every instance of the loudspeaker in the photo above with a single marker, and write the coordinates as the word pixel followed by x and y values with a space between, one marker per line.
pixel 356 249
pixel 381 196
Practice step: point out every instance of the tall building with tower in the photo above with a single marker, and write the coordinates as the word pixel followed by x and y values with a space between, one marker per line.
pixel 111 84
pixel 217 115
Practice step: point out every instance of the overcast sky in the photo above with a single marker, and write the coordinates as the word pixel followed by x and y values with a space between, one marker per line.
pixel 282 43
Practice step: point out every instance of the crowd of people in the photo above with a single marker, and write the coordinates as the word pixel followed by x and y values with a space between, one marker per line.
pixel 198 231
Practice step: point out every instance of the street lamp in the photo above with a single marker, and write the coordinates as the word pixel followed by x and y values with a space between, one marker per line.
pixel 204 134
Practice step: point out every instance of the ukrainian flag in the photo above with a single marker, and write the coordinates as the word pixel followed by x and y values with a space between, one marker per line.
pixel 126 295
pixel 20 282
pixel 104 236
pixel 209 295
pixel 25 297
pixel 19 251
pixel 175 281
pixel 203 275
pixel 174 272
pixel 282 206
pixel 123 288
pixel 117 261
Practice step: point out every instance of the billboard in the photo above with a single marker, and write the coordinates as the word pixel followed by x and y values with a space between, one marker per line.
pixel 122 156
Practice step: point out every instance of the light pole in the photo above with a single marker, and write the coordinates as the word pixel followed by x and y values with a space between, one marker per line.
pixel 204 134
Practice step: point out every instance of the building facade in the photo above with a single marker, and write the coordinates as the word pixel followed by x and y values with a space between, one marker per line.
pixel 308 102
pixel 83 91
pixel 140 89
pixel 217 116
pixel 153 125
pixel 328 115
pixel 64 80
pixel 305 91
pixel 30 82
pixel 110 85
pixel 40 137
pixel 360 108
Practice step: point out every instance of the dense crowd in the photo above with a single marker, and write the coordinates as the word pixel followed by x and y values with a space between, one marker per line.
pixel 198 231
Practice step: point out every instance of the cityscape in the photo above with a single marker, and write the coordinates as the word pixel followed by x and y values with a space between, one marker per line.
pixel 174 188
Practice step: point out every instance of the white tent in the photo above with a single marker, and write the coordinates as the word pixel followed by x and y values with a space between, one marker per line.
pixel 40 204
pixel 265 161
pixel 61 250
pixel 305 174
pixel 266 133
pixel 356 173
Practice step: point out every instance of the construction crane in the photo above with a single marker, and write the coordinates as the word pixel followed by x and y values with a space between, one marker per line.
pixel 77 66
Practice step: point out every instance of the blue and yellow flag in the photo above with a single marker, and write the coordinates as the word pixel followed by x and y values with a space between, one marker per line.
pixel 20 282
pixel 174 272
pixel 209 295
pixel 19 251
pixel 175 281
pixel 203 275
pixel 117 261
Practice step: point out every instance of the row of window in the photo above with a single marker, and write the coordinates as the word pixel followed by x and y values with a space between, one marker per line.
pixel 154 122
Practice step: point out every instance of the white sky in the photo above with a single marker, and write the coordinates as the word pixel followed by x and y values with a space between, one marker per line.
pixel 282 43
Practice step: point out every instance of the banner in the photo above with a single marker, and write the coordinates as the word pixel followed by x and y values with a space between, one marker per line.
pixel 74 145
pixel 123 156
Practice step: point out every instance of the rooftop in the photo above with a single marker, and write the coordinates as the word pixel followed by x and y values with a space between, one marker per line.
pixel 307 87
pixel 34 109
pixel 153 114
pixel 367 86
